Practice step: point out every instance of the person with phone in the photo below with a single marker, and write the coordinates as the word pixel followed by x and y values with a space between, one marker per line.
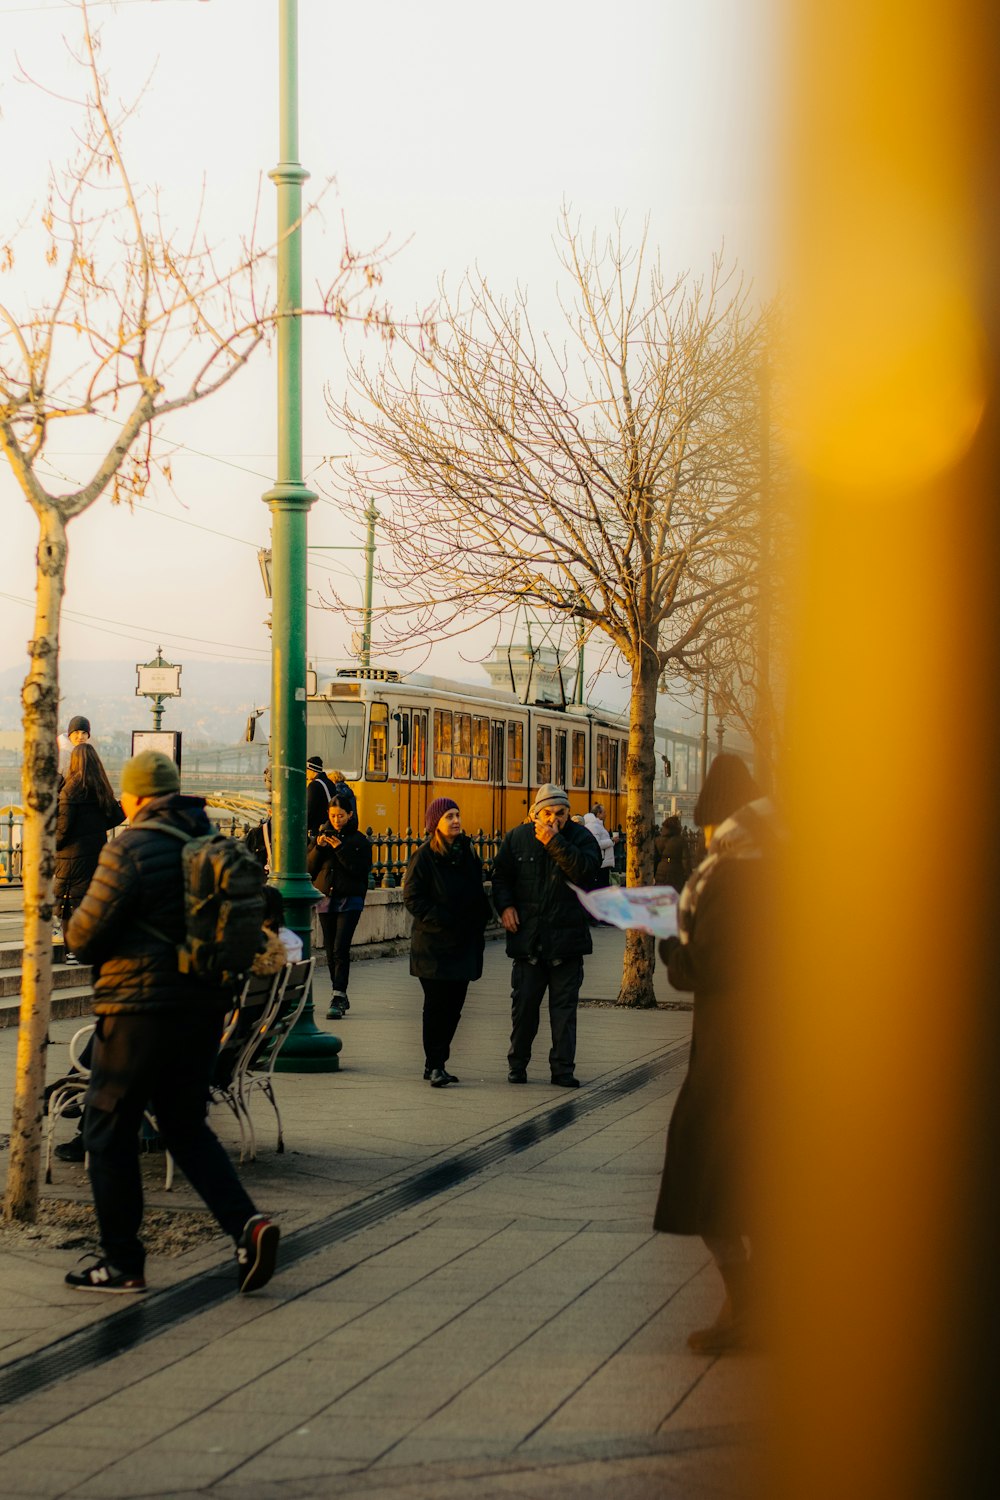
pixel 339 862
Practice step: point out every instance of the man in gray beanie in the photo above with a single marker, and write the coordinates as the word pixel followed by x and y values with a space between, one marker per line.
pixel 157 1036
pixel 547 929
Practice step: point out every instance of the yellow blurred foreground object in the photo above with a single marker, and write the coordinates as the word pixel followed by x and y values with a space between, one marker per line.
pixel 877 1161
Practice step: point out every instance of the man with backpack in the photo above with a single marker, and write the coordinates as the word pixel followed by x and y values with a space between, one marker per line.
pixel 163 981
pixel 319 790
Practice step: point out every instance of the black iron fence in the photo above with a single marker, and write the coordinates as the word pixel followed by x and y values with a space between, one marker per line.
pixel 10 848
pixel 391 853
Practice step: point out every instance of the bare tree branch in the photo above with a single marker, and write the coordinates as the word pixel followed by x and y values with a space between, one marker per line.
pixel 610 479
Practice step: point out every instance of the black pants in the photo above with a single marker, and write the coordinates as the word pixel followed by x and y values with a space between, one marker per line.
pixel 528 983
pixel 338 930
pixel 443 1001
pixel 165 1062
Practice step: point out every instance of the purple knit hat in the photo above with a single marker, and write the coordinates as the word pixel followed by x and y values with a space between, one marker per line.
pixel 437 810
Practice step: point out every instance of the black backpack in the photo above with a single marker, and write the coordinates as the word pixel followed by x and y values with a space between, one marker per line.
pixel 223 906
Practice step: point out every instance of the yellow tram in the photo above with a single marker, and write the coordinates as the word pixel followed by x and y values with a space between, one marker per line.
pixel 403 739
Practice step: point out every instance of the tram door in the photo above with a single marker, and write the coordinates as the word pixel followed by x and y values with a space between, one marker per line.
pixel 498 776
pixel 413 771
pixel 615 810
pixel 410 756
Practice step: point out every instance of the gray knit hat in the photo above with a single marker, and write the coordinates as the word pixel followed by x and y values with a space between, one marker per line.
pixel 150 774
pixel 548 795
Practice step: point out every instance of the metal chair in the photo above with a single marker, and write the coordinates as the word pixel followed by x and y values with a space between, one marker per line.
pixel 67 1091
pixel 256 1064
pixel 71 1090
pixel 254 1006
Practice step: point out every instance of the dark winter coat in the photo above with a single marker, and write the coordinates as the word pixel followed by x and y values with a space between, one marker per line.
pixel 704 1174
pixel 139 880
pixel 450 909
pixel 672 862
pixel 81 833
pixel 531 877
pixel 342 871
pixel 319 793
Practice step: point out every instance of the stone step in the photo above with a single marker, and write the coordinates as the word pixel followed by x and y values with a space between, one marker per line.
pixel 12 954
pixel 64 977
pixel 65 1005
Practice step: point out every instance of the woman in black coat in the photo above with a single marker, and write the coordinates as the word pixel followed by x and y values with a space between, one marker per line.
pixel 720 922
pixel 443 891
pixel 339 862
pixel 87 809
pixel 672 862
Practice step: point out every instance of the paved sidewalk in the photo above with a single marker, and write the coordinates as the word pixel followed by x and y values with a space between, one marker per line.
pixel 512 1329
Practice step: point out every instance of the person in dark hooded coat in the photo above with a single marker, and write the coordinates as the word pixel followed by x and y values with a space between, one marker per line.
pixel 673 864
pixel 720 918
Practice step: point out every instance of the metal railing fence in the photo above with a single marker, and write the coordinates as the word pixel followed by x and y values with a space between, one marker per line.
pixel 390 851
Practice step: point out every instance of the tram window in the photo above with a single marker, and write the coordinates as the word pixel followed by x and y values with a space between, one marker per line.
pixel 418 748
pixel 463 746
pixel 560 766
pixel 579 757
pixel 442 742
pixel 402 719
pixel 515 752
pixel 336 731
pixel 377 767
pixel 480 749
pixel 603 763
pixel 543 754
pixel 614 781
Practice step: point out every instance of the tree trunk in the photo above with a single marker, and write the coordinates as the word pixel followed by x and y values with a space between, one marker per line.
pixel 640 955
pixel 40 702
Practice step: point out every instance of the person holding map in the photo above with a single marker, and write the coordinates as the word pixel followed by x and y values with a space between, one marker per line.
pixel 719 922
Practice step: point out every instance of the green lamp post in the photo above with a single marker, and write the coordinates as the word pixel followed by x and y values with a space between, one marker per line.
pixel 307 1048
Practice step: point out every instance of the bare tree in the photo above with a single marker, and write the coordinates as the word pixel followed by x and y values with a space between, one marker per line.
pixel 739 660
pixel 137 326
pixel 604 479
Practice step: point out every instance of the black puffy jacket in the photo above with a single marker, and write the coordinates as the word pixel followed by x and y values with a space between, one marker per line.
pixel 444 894
pixel 139 879
pixel 531 877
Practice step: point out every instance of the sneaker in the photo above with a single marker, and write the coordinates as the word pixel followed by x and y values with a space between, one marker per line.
pixel 70 958
pixel 256 1253
pixel 102 1276
pixel 71 1150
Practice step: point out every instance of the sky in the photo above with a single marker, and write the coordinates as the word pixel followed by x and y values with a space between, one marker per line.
pixel 456 131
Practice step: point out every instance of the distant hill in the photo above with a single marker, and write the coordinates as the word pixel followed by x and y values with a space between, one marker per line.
pixel 216 698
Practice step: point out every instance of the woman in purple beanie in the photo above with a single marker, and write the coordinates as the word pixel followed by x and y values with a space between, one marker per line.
pixel 443 891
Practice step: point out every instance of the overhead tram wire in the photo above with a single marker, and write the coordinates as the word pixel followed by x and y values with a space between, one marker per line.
pixel 130 632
